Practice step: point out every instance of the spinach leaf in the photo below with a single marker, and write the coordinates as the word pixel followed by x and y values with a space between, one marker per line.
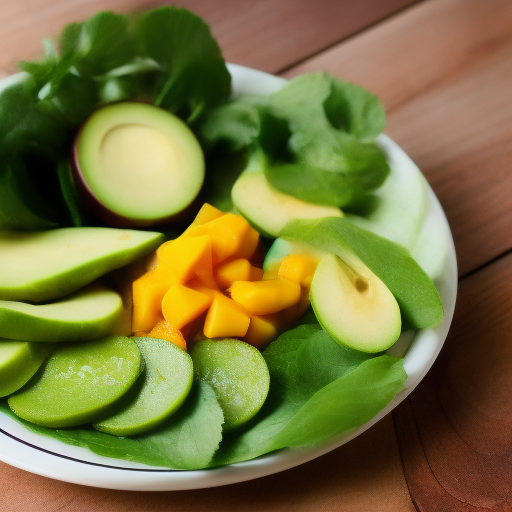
pixel 414 291
pixel 187 441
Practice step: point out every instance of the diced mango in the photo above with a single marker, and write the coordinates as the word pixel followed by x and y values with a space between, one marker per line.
pixel 294 312
pixel 225 319
pixel 148 292
pixel 165 331
pixel 263 329
pixel 200 286
pixel 298 268
pixel 184 257
pixel 250 244
pixel 182 305
pixel 265 297
pixel 206 214
pixel 236 270
pixel 228 234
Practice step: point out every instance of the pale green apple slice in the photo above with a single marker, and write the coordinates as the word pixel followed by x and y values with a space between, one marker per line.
pixel 91 313
pixel 237 373
pixel 354 305
pixel 167 382
pixel 79 383
pixel 400 203
pixel 267 209
pixel 19 361
pixel 46 265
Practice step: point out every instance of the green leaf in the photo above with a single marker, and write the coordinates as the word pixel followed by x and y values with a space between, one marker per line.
pixel 302 362
pixel 78 216
pixel 414 291
pixel 21 205
pixel 182 44
pixel 187 441
pixel 99 44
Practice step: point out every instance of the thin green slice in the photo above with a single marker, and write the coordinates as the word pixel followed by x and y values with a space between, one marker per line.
pixel 79 383
pixel 167 381
pixel 19 361
pixel 238 374
pixel 45 265
pixel 89 314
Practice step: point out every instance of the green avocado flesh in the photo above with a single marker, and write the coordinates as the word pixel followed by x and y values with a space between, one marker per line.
pixel 268 210
pixel 19 361
pixel 139 161
pixel 167 382
pixel 79 383
pixel 237 373
pixel 354 306
pixel 46 265
pixel 88 314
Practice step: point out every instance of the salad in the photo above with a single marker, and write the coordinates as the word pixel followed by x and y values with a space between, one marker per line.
pixel 206 279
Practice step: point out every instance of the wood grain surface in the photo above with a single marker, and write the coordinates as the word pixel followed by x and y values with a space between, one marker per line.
pixel 264 34
pixel 444 71
pixel 455 432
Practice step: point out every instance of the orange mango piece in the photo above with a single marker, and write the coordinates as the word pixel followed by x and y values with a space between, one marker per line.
pixel 228 234
pixel 184 257
pixel 250 243
pixel 236 270
pixel 148 292
pixel 299 268
pixel 265 297
pixel 263 329
pixel 182 305
pixel 225 319
pixel 165 331
pixel 206 214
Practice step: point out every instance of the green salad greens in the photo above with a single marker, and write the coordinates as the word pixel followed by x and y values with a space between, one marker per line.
pixel 314 143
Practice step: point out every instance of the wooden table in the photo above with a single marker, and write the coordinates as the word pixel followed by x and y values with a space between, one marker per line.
pixel 443 69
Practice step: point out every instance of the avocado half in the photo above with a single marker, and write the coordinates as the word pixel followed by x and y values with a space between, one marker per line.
pixel 135 164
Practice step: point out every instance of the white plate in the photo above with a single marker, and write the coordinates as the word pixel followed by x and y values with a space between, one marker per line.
pixel 51 458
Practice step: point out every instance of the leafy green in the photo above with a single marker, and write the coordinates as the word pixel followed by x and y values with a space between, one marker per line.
pixel 307 367
pixel 414 291
pixel 78 216
pixel 187 441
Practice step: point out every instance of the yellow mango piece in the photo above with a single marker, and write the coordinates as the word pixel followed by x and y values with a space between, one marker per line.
pixel 165 331
pixel 263 329
pixel 298 268
pixel 227 234
pixel 200 286
pixel 148 292
pixel 186 257
pixel 265 297
pixel 294 312
pixel 250 243
pixel 225 319
pixel 236 270
pixel 206 214
pixel 182 305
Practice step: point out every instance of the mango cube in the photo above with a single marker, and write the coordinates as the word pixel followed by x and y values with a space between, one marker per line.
pixel 236 270
pixel 225 319
pixel 206 214
pixel 262 330
pixel 299 268
pixel 165 331
pixel 148 292
pixel 250 243
pixel 181 305
pixel 184 257
pixel 228 234
pixel 265 297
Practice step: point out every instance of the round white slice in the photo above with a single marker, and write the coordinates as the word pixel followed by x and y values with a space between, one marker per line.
pixel 354 305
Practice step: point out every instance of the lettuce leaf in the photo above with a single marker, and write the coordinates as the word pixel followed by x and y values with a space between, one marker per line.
pixel 414 291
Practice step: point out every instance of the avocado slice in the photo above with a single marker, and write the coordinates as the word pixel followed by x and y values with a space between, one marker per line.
pixel 137 165
pixel 267 209
pixel 90 313
pixel 19 361
pixel 79 383
pixel 46 265
pixel 353 305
